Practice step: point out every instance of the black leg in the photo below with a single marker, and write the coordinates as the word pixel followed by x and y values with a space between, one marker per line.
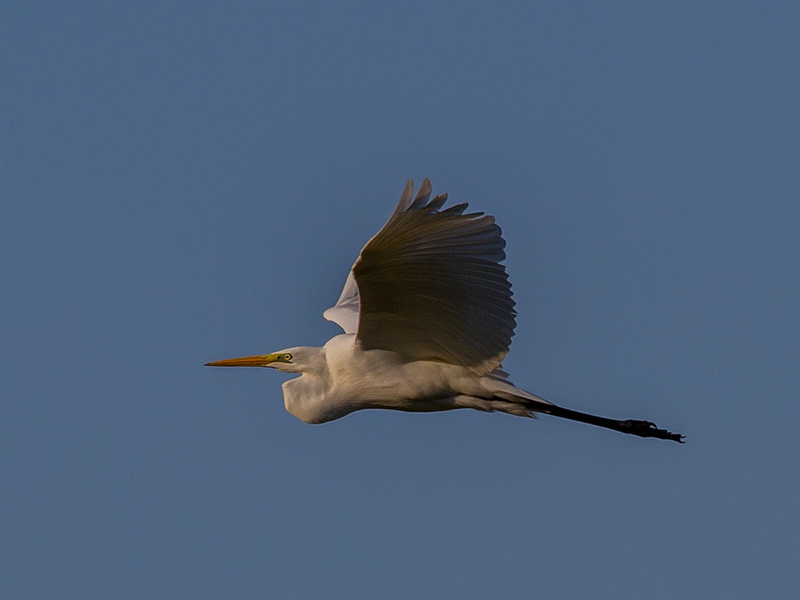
pixel 633 426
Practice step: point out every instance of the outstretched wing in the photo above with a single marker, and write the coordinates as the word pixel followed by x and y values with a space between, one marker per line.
pixel 430 286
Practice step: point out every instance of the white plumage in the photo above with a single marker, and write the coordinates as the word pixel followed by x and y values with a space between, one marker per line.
pixel 428 318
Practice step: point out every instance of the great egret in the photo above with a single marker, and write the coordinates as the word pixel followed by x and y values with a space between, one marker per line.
pixel 428 318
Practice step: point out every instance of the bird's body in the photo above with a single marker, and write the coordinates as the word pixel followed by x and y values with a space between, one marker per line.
pixel 340 378
pixel 428 318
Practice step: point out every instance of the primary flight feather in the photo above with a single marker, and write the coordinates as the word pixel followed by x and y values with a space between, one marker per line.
pixel 428 318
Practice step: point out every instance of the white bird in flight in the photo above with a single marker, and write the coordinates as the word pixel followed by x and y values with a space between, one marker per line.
pixel 428 317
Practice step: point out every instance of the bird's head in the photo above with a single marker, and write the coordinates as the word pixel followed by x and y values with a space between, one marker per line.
pixel 291 360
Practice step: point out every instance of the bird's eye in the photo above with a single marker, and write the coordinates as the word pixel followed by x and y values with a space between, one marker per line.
pixel 287 357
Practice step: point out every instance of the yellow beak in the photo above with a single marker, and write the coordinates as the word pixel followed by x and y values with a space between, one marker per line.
pixel 261 360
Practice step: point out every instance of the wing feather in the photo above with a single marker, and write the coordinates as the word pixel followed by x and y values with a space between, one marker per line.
pixel 429 285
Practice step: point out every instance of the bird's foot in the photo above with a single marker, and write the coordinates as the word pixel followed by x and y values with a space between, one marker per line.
pixel 649 429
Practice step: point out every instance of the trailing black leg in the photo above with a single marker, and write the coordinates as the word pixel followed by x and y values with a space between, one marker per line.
pixel 633 426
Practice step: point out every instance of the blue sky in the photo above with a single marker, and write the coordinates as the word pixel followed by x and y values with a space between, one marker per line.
pixel 184 182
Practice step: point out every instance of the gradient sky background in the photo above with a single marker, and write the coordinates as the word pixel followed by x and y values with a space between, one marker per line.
pixel 189 182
